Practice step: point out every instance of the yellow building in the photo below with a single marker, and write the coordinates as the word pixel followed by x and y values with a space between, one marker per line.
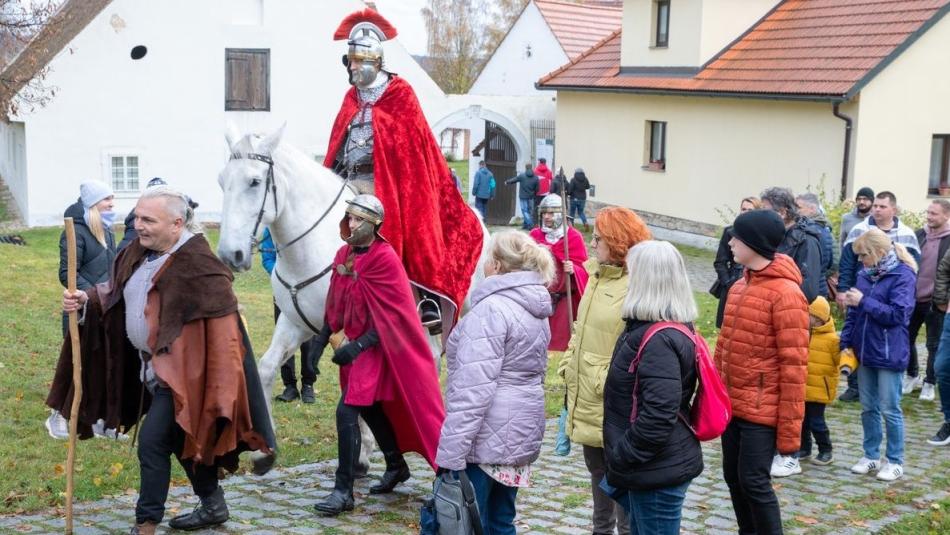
pixel 695 104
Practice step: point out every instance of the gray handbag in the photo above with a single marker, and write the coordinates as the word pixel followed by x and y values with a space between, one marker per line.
pixel 453 506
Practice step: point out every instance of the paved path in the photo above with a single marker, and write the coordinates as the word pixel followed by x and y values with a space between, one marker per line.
pixel 820 500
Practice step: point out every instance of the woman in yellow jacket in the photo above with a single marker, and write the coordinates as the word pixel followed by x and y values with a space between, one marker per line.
pixel 584 364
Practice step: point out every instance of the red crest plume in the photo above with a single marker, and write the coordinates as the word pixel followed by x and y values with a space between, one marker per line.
pixel 367 15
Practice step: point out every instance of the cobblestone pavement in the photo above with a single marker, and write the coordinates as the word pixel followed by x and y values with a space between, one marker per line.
pixel 825 499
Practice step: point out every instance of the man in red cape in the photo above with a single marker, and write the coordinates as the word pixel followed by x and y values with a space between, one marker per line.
pixel 387 374
pixel 382 143
pixel 551 233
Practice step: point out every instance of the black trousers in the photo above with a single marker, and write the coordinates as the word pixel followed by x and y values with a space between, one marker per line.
pixel 925 314
pixel 382 429
pixel 309 362
pixel 159 438
pixel 747 451
pixel 814 425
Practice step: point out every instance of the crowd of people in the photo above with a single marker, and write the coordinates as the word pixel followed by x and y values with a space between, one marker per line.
pixel 888 282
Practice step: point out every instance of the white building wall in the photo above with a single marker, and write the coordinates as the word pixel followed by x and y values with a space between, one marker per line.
pixel 13 161
pixel 512 70
pixel 718 150
pixel 169 106
pixel 901 109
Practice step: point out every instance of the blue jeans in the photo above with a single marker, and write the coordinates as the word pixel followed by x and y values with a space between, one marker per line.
pixel 482 206
pixel 577 207
pixel 527 208
pixel 657 511
pixel 942 370
pixel 881 394
pixel 496 502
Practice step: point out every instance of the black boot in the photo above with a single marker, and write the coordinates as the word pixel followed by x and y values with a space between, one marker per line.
pixel 211 511
pixel 307 395
pixel 823 439
pixel 430 314
pixel 290 393
pixel 397 471
pixel 341 499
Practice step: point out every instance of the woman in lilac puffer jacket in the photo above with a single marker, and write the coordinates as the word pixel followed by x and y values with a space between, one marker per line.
pixel 497 358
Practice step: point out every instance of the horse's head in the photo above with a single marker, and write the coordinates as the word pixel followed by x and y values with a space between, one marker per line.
pixel 249 200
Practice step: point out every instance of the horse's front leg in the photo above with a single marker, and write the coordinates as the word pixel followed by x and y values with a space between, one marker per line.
pixel 287 338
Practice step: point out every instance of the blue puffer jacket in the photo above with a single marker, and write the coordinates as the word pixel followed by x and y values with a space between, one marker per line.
pixel 877 328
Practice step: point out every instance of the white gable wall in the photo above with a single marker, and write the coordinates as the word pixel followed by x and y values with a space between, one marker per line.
pixel 511 71
pixel 168 108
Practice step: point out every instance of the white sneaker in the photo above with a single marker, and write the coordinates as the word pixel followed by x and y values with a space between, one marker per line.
pixel 927 392
pixel 865 465
pixel 890 472
pixel 57 426
pixel 910 383
pixel 786 466
pixel 100 432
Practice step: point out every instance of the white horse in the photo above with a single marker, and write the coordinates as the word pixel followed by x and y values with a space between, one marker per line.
pixel 267 183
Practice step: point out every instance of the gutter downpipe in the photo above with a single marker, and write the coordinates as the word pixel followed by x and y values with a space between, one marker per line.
pixel 845 164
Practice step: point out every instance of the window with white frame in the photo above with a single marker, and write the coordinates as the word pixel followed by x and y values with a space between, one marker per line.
pixel 125 173
pixel 655 146
pixel 661 30
pixel 939 183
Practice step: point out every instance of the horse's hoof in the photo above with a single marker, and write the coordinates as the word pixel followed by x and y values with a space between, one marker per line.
pixel 262 462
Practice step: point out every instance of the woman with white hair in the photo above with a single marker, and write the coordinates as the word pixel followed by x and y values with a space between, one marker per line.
pixel 652 454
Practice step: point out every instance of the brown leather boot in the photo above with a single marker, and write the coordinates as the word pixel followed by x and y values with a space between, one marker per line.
pixel 145 528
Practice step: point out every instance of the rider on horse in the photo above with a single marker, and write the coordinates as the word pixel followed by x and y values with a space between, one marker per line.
pixel 383 145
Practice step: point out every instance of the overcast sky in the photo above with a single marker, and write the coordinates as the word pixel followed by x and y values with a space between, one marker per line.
pixel 406 17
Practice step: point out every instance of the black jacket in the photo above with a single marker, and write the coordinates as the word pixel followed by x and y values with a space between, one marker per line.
pixel 727 272
pixel 801 242
pixel 578 187
pixel 93 261
pixel 658 449
pixel 529 184
pixel 130 233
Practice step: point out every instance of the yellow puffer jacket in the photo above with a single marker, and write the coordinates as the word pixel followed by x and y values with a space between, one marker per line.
pixel 585 363
pixel 823 359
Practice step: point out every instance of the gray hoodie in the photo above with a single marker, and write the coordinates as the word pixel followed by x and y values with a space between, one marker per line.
pixel 497 357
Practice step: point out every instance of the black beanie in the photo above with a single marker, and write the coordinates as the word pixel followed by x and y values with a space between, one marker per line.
pixel 761 230
pixel 865 192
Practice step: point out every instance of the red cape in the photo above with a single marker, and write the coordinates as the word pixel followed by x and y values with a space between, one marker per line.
pixel 560 325
pixel 427 222
pixel 399 371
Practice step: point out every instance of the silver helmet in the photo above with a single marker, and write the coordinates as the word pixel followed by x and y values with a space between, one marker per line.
pixel 369 209
pixel 364 58
pixel 551 203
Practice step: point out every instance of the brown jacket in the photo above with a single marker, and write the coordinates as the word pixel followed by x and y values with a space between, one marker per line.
pixel 199 349
pixel 762 350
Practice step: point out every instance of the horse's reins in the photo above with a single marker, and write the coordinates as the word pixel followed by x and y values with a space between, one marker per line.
pixel 271 185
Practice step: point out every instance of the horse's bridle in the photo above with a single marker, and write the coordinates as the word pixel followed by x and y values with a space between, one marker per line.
pixel 271 185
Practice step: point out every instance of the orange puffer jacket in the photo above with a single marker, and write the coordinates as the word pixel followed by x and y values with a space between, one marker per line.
pixel 762 351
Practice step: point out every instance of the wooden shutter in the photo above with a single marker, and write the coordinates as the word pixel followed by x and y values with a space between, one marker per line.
pixel 247 80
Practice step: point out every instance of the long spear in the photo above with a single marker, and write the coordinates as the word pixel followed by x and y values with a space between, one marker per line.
pixel 77 372
pixel 567 256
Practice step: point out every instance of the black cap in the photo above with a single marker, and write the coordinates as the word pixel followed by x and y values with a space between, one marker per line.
pixel 865 192
pixel 762 230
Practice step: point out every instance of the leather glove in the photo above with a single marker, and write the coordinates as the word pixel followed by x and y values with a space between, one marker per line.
pixel 321 339
pixel 347 353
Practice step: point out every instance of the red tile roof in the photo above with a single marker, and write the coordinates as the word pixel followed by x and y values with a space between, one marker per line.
pixel 822 49
pixel 579 26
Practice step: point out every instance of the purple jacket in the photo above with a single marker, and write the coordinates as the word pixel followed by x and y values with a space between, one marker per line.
pixel 497 358
pixel 877 328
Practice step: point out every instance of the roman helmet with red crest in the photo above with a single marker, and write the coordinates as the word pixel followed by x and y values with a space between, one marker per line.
pixel 365 32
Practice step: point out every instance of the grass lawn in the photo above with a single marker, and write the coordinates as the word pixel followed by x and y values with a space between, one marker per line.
pixel 30 339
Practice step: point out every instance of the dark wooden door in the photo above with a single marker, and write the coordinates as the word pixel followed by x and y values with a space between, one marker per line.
pixel 501 157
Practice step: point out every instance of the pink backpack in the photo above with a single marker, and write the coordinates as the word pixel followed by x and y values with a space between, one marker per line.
pixel 711 409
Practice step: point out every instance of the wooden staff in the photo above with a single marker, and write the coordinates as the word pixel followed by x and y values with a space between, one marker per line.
pixel 77 372
pixel 567 255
